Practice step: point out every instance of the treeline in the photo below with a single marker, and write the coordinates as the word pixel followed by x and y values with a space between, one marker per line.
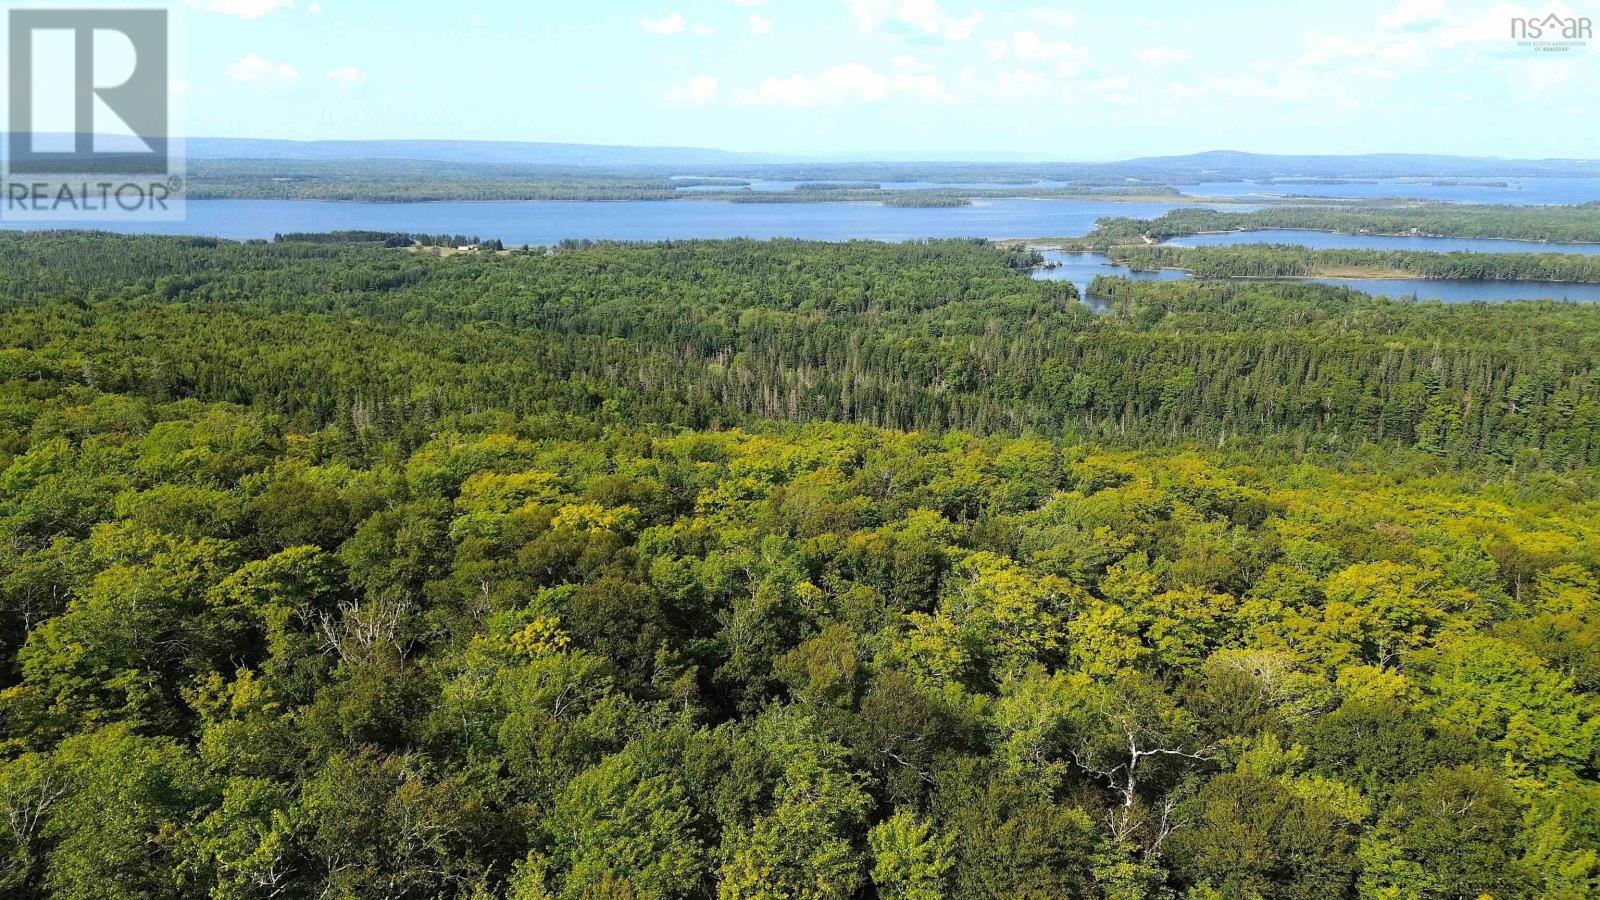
pixel 943 335
pixel 1579 223
pixel 385 238
pixel 1287 260
pixel 920 202
pixel 838 186
pixel 935 198
pixel 404 181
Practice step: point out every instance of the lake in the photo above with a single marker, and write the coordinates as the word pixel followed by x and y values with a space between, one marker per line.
pixel 1080 269
pixel 544 223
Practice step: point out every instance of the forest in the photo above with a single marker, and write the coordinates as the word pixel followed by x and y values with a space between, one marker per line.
pixel 1578 223
pixel 1294 261
pixel 757 570
pixel 919 336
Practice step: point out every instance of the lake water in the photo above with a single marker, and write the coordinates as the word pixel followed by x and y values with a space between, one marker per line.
pixel 1081 268
pixel 544 223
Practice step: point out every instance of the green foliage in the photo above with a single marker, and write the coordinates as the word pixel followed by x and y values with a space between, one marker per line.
pixel 909 862
pixel 1291 261
pixel 1527 223
pixel 328 570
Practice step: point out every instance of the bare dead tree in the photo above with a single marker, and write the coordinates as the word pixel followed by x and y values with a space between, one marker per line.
pixel 26 806
pixel 1123 770
pixel 361 631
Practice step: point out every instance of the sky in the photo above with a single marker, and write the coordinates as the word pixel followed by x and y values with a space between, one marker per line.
pixel 898 78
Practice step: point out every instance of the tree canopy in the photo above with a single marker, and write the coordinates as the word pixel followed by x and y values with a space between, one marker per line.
pixel 783 570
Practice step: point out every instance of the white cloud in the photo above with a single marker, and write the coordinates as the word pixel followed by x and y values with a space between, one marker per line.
pixel 347 75
pixel 961 29
pixel 701 90
pixel 1059 19
pixel 1230 86
pixel 927 17
pixel 760 24
pixel 1413 14
pixel 853 82
pixel 314 9
pixel 1067 59
pixel 1541 77
pixel 869 14
pixel 669 24
pixel 849 84
pixel 1324 49
pixel 1034 57
pixel 750 3
pixel 258 70
pixel 674 23
pixel 1290 85
pixel 1334 63
pixel 1161 56
pixel 1409 53
pixel 244 9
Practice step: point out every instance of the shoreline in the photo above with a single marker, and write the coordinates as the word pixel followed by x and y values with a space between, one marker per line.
pixel 1337 274
pixel 1391 234
pixel 1056 243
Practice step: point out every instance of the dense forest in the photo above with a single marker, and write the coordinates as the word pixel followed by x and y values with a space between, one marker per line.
pixel 1580 223
pixel 759 570
pixel 920 201
pixel 1289 260
pixel 950 334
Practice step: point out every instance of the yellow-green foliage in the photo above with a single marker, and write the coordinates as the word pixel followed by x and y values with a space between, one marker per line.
pixel 307 644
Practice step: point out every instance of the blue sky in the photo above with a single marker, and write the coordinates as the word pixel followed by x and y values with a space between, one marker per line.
pixel 950 78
